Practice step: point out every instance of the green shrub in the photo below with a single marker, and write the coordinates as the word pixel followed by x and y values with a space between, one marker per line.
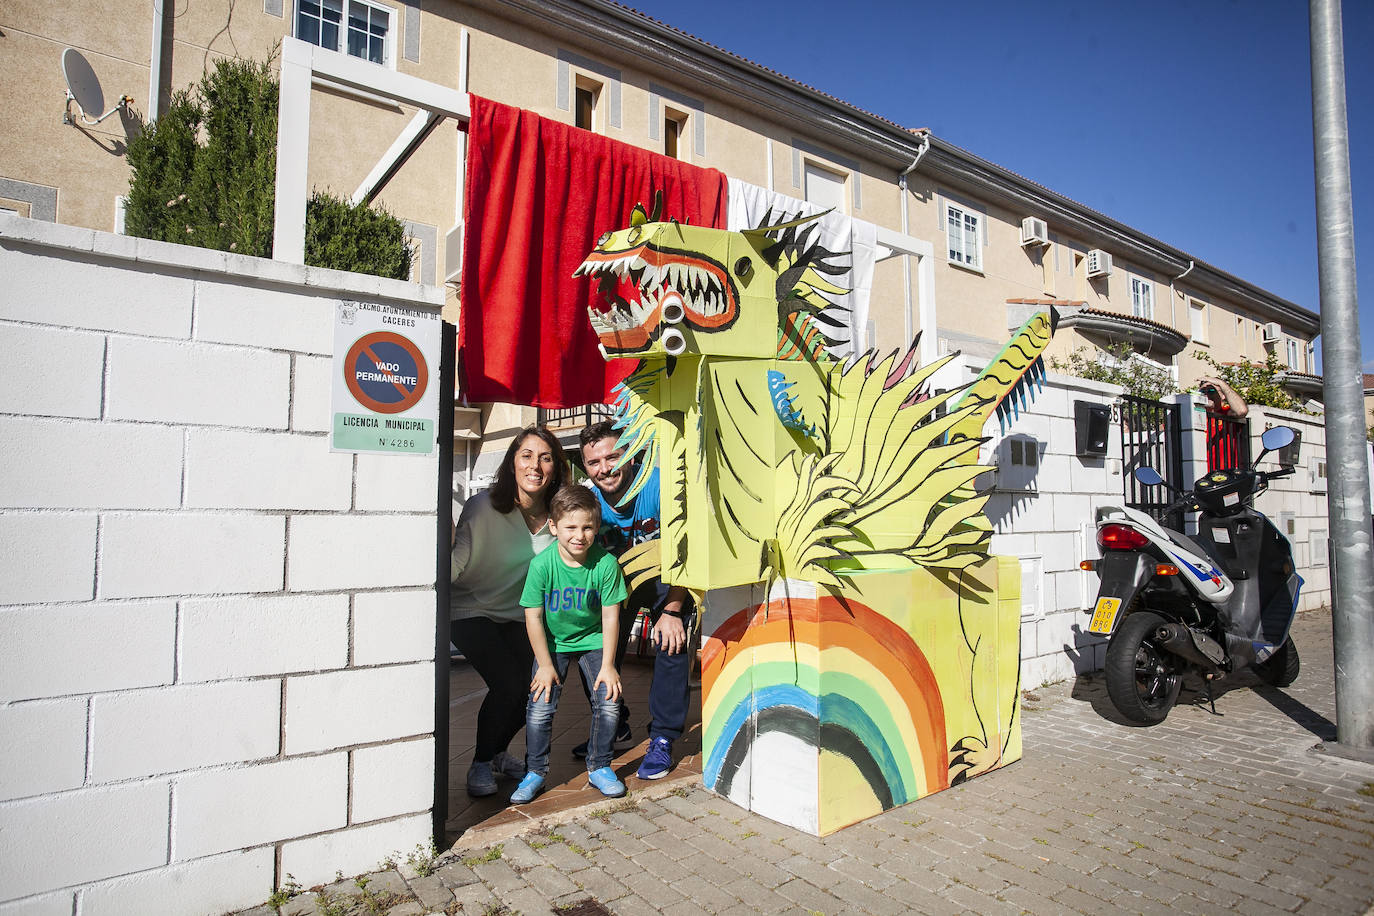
pixel 204 174
pixel 1256 382
pixel 1115 366
pixel 343 236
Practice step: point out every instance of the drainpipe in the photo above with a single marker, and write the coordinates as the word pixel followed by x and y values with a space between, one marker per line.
pixel 906 259
pixel 155 62
pixel 1173 293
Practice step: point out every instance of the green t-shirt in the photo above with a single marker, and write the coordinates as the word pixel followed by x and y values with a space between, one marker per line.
pixel 572 597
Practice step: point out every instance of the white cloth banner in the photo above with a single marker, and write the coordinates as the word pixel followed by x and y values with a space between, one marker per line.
pixel 749 203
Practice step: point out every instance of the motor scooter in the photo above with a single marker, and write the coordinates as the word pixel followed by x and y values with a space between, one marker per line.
pixel 1205 606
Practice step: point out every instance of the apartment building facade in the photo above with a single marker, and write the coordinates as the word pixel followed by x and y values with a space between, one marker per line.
pixel 994 241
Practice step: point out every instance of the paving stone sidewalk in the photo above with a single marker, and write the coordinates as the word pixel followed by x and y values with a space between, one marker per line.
pixel 1206 813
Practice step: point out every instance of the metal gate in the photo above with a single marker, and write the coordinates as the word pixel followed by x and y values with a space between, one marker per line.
pixel 1228 442
pixel 1151 435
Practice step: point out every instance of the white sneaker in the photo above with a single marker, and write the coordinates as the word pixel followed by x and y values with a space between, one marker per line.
pixel 509 766
pixel 481 781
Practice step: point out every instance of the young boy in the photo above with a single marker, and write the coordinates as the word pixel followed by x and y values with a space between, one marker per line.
pixel 572 607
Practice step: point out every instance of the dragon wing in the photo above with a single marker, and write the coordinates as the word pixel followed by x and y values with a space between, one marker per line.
pixel 883 489
pixel 635 417
pixel 1010 381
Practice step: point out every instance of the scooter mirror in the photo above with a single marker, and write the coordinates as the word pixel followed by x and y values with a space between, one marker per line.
pixel 1276 437
pixel 1148 476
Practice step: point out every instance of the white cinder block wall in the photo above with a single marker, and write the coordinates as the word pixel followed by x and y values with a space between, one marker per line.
pixel 1044 513
pixel 216 636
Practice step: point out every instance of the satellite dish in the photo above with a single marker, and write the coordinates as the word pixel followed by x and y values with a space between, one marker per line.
pixel 82 83
pixel 83 87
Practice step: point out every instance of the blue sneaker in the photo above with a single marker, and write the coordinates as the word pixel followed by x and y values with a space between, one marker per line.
pixel 658 760
pixel 529 787
pixel 606 781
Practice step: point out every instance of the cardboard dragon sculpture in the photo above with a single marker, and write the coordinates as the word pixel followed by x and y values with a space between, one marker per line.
pixel 860 647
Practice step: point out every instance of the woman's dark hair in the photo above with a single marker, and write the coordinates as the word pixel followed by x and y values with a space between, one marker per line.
pixel 503 491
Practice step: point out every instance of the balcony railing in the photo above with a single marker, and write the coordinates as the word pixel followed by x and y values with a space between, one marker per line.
pixel 574 417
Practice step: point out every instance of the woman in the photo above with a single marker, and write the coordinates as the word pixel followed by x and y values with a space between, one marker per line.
pixel 498 533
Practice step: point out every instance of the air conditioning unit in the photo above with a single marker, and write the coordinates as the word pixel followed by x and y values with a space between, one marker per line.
pixel 1034 232
pixel 1099 263
pixel 1272 332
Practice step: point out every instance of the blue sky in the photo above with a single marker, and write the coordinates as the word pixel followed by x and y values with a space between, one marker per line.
pixel 1189 121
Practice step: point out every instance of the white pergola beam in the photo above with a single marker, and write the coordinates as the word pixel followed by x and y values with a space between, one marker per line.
pixel 399 151
pixel 898 244
pixel 301 62
pixel 293 153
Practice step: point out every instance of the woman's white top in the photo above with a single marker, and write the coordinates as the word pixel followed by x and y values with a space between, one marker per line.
pixel 491 555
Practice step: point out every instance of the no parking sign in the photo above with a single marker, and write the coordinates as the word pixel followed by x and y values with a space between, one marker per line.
pixel 383 393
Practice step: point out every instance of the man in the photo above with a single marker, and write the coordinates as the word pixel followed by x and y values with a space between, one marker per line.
pixel 670 608
pixel 1223 404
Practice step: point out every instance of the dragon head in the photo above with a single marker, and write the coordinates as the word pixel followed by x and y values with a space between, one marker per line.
pixel 670 289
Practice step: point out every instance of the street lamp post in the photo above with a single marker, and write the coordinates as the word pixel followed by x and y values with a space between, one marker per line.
pixel 1348 505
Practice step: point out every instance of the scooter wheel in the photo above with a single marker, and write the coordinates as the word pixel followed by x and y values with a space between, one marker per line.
pixel 1143 680
pixel 1281 668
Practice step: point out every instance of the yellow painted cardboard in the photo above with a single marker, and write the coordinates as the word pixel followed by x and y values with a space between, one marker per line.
pixel 822 707
pixel 860 647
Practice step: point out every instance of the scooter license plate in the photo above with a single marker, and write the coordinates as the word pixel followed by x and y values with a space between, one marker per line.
pixel 1104 616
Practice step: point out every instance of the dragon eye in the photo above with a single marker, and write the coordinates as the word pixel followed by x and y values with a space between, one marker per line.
pixel 634 235
pixel 743 268
pixel 601 242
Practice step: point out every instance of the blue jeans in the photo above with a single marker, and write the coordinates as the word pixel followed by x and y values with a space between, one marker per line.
pixel 669 693
pixel 539 714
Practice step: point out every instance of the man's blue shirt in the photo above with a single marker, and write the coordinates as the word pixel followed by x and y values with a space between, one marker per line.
pixel 622 528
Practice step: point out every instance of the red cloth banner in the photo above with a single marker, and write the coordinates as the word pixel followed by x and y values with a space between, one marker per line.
pixel 539 194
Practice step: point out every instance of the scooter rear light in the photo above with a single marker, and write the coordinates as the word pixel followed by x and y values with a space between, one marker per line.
pixel 1166 569
pixel 1120 537
pixel 1088 565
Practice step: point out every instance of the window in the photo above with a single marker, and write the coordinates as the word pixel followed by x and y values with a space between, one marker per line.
pixel 675 134
pixel 1197 317
pixel 964 229
pixel 1142 298
pixel 824 187
pixel 1291 346
pixel 672 133
pixel 366 32
pixel 585 96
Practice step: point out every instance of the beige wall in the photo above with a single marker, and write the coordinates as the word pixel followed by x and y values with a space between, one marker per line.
pixel 86 164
